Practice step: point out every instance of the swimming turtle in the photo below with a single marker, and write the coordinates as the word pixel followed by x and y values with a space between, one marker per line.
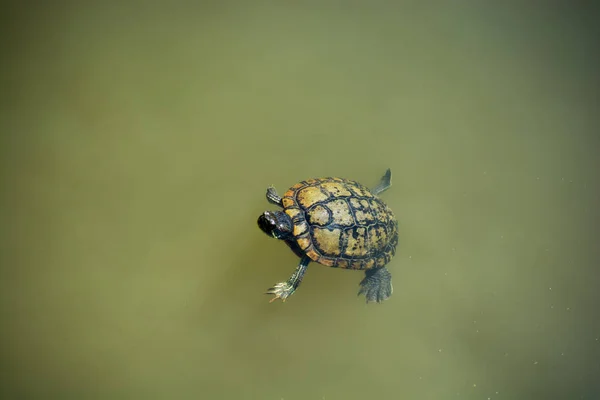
pixel 339 223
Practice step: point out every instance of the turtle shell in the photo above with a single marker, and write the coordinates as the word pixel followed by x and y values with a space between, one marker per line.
pixel 340 223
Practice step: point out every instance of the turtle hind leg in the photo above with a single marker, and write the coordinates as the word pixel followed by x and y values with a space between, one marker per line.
pixel 377 285
pixel 384 184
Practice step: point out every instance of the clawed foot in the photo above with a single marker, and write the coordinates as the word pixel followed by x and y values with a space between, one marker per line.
pixel 377 285
pixel 281 291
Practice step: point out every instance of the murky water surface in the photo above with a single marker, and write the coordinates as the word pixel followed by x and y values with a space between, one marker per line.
pixel 137 143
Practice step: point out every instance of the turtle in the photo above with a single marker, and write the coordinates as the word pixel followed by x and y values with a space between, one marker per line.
pixel 339 223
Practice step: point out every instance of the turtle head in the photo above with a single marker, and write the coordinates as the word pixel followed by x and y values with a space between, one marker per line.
pixel 276 224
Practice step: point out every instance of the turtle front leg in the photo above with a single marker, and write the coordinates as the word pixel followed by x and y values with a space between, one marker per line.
pixel 283 290
pixel 273 197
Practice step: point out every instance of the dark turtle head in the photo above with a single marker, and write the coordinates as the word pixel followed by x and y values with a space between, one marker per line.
pixel 275 223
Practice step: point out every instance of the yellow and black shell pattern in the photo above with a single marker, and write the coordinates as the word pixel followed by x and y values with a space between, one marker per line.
pixel 340 223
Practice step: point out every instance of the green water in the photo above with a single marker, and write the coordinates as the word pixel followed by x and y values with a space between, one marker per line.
pixel 137 143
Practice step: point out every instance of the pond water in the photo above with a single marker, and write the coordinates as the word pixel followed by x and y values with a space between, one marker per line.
pixel 137 144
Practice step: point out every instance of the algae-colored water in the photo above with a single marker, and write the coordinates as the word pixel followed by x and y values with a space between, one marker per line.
pixel 138 141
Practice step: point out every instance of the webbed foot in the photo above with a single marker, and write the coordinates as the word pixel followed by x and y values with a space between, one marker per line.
pixel 377 285
pixel 384 184
pixel 281 291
